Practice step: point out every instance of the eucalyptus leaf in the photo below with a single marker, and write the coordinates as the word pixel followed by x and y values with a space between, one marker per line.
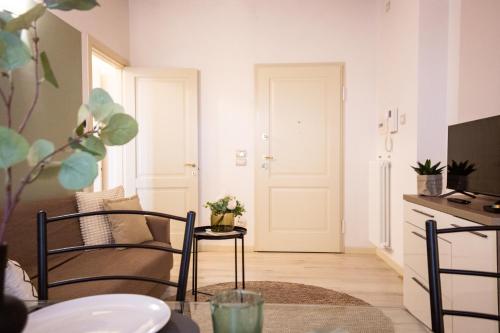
pixel 78 171
pixel 94 146
pixel 103 113
pixel 40 149
pixel 14 53
pixel 5 16
pixel 99 97
pixel 71 4
pixel 50 170
pixel 48 73
pixel 121 129
pixel 80 129
pixel 25 20
pixel 83 114
pixel 13 147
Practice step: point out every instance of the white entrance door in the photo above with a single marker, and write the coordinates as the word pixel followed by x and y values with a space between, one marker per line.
pixel 299 157
pixel 161 165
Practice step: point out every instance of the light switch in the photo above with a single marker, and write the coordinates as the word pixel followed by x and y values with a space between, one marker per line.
pixel 402 118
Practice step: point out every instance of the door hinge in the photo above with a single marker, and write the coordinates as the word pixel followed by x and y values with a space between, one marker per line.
pixel 343 93
pixel 343 226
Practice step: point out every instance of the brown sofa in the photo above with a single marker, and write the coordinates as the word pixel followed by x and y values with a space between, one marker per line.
pixel 22 246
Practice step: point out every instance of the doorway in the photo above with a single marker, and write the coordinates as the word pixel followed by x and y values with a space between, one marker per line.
pixel 106 71
pixel 299 174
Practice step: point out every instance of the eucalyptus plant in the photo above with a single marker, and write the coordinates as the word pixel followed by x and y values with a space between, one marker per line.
pixel 86 144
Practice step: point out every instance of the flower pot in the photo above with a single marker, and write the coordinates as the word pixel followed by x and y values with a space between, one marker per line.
pixel 222 222
pixel 430 185
pixel 13 312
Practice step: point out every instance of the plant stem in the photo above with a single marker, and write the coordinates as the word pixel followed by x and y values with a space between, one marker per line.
pixel 13 199
pixel 36 59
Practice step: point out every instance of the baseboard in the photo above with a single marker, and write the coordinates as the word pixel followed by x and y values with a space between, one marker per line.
pixel 389 261
pixel 222 248
pixel 360 250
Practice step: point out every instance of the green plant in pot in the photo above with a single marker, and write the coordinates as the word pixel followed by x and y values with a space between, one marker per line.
pixel 223 213
pixel 429 178
pixel 458 173
pixel 74 162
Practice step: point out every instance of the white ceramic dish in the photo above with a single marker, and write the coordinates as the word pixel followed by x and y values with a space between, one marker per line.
pixel 118 313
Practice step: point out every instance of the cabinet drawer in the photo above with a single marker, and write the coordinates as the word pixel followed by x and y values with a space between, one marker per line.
pixel 415 254
pixel 474 251
pixel 416 298
pixel 418 215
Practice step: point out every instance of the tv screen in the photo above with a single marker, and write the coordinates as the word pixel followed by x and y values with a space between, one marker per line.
pixel 474 156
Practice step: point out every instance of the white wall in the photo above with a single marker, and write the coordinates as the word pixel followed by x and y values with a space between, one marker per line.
pixel 224 39
pixel 479 60
pixel 108 23
pixel 412 75
pixel 397 87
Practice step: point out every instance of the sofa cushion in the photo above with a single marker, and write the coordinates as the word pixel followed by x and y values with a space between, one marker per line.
pixel 137 262
pixel 21 232
pixel 128 228
pixel 96 228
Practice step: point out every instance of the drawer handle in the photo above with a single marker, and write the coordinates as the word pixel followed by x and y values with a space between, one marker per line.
pixel 472 232
pixel 418 235
pixel 423 213
pixel 420 284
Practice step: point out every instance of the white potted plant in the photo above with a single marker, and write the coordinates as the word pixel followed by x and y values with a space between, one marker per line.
pixel 429 178
pixel 224 211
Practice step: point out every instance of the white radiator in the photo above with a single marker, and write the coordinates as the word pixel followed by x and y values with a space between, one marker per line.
pixel 380 203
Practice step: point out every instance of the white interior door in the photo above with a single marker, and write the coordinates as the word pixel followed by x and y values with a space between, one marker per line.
pixel 299 157
pixel 161 165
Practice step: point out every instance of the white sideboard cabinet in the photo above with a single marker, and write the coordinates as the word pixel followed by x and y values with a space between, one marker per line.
pixel 471 250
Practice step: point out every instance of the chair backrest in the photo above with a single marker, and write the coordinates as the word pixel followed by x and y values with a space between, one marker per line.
pixel 44 252
pixel 435 271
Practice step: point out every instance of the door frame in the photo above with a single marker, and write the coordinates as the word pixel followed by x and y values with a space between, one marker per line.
pixel 258 140
pixel 92 45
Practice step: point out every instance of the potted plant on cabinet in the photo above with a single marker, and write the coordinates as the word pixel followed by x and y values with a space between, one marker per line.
pixel 223 213
pixel 429 178
pixel 85 146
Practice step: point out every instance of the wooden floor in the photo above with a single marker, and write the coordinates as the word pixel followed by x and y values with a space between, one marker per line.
pixel 364 276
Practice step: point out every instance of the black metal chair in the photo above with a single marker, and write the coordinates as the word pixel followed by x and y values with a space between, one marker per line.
pixel 43 252
pixel 437 311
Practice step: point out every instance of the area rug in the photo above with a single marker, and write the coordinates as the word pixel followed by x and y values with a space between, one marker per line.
pixel 350 314
pixel 284 293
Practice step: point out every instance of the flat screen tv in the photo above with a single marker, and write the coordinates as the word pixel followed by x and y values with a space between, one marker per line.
pixel 474 156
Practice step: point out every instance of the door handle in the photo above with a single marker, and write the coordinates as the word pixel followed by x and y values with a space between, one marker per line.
pixel 192 165
pixel 268 157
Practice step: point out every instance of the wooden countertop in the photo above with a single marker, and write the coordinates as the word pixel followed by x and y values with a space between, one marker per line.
pixel 473 211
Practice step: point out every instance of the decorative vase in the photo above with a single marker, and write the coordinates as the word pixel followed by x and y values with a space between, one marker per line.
pixel 13 312
pixel 430 185
pixel 222 222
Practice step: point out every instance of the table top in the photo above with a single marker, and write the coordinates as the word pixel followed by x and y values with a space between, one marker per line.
pixel 309 318
pixel 204 232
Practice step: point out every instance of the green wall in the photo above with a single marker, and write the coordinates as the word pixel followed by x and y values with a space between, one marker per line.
pixel 55 116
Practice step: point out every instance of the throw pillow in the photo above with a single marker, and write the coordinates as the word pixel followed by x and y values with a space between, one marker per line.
pixel 96 229
pixel 18 283
pixel 132 229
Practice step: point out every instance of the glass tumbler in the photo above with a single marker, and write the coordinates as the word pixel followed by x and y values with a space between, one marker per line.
pixel 237 311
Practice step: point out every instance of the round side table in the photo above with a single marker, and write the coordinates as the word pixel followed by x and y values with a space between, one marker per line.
pixel 201 233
